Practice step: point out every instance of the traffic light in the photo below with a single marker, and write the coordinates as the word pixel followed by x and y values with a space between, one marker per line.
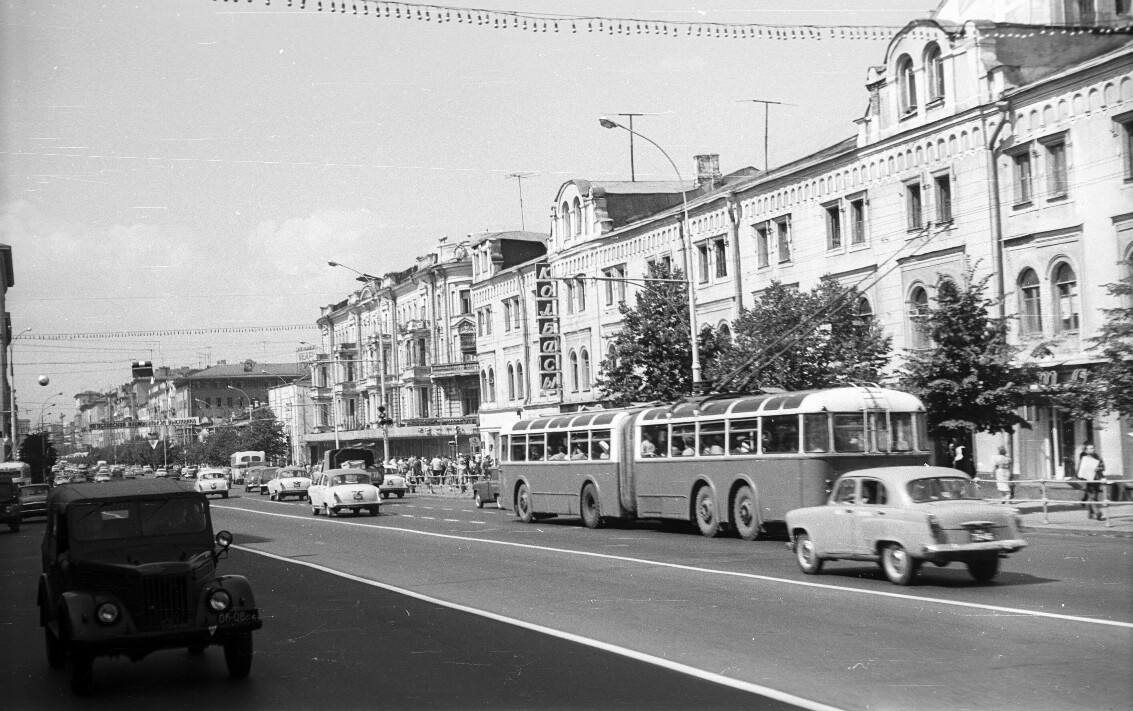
pixel 142 369
pixel 382 419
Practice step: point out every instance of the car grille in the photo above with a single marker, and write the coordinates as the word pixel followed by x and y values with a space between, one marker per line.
pixel 165 602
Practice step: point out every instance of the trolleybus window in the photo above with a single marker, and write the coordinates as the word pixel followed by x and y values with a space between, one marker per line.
pixel 712 439
pixel 781 434
pixel 743 434
pixel 655 441
pixel 849 433
pixel 556 446
pixel 816 430
pixel 902 431
pixel 684 440
pixel 517 452
pixel 600 444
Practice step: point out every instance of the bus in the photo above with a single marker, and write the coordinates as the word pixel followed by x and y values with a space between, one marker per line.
pixel 240 462
pixel 731 462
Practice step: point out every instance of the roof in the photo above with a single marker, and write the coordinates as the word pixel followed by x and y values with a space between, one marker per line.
pixel 240 370
pixel 117 489
pixel 907 474
pixel 512 235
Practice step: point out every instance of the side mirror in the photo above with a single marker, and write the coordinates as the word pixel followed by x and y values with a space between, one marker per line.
pixel 224 539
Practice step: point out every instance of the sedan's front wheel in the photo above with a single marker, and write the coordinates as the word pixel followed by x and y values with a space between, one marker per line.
pixel 806 556
pixel 899 566
pixel 479 502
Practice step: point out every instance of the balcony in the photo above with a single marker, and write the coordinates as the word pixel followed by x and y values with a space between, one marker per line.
pixel 413 326
pixel 415 372
pixel 438 421
pixel 346 388
pixel 320 394
pixel 455 370
pixel 343 347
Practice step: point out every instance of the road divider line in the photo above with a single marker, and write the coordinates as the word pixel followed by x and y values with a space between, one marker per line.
pixel 712 571
pixel 596 644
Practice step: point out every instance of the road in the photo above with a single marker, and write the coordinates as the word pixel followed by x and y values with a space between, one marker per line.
pixel 1054 631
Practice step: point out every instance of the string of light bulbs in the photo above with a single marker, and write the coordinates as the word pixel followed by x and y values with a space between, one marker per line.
pixel 164 332
pixel 527 21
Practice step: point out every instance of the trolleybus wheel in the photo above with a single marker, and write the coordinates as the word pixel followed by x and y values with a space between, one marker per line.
pixel 744 515
pixel 707 519
pixel 591 514
pixel 523 505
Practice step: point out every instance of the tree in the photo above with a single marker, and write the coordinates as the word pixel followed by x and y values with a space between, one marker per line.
pixel 652 358
pixel 262 433
pixel 799 340
pixel 37 451
pixel 1115 341
pixel 967 378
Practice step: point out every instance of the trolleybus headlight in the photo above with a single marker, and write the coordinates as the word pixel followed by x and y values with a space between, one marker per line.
pixel 107 613
pixel 220 600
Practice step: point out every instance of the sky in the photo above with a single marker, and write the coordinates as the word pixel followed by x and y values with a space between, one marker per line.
pixel 192 165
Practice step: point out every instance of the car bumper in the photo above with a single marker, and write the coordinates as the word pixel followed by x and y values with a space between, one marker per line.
pixel 35 510
pixel 139 644
pixel 396 492
pixel 355 506
pixel 961 551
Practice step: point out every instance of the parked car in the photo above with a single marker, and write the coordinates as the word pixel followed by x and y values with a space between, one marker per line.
pixel 337 490
pixel 257 479
pixel 161 472
pixel 487 490
pixel 902 517
pixel 129 568
pixel 289 481
pixel 393 484
pixel 10 504
pixel 33 500
pixel 211 482
pixel 102 476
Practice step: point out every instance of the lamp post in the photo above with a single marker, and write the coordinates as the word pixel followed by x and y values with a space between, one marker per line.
pixel 686 247
pixel 232 387
pixel 383 420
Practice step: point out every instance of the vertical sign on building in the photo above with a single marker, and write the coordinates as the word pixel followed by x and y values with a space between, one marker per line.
pixel 547 323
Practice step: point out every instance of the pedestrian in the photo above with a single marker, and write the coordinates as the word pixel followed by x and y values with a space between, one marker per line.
pixel 1001 463
pixel 1091 468
pixel 437 470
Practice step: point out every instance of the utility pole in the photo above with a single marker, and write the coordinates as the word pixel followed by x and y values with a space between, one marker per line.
pixel 518 177
pixel 632 170
pixel 766 117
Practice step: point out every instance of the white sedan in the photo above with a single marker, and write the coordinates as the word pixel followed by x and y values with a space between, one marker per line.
pixel 212 482
pixel 337 490
pixel 289 481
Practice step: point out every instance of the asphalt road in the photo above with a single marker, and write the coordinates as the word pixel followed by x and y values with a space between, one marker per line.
pixel 1054 631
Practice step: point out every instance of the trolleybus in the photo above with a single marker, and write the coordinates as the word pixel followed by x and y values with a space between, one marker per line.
pixel 735 462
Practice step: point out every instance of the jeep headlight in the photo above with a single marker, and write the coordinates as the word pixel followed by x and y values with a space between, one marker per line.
pixel 107 613
pixel 220 600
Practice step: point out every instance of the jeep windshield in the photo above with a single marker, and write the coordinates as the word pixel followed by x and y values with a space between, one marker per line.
pixel 182 517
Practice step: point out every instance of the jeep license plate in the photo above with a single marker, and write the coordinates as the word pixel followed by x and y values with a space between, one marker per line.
pixel 237 616
pixel 982 534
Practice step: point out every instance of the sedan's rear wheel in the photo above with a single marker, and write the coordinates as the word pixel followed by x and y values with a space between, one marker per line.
pixel 707 520
pixel 328 511
pixel 273 497
pixel 238 655
pixel 806 555
pixel 523 507
pixel 899 566
pixel 983 569
pixel 479 502
pixel 744 515
pixel 591 512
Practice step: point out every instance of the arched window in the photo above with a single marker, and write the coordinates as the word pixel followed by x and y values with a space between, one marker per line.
pixel 612 355
pixel 567 229
pixel 918 311
pixel 864 308
pixel 576 216
pixel 573 371
pixel 520 383
pixel 1030 303
pixel 584 367
pixel 1066 291
pixel 906 84
pixel 510 382
pixel 934 72
pixel 484 385
pixel 725 331
pixel 491 384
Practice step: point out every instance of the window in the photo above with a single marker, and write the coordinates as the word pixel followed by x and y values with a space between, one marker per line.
pixel 906 85
pixel 1087 14
pixel 465 301
pixel 1030 303
pixel 584 367
pixel 864 309
pixel 762 245
pixel 576 215
pixel 520 383
pixel 571 287
pixel 510 382
pixel 934 73
pixel 581 296
pixel 1056 185
pixel 857 221
pixel 508 314
pixel 914 208
pixel 488 320
pixel 918 313
pixel 615 284
pixel 1125 133
pixel 1024 181
pixel 783 237
pixel 720 254
pixel 942 184
pixel 573 371
pixel 491 384
pixel 1066 288
pixel 833 226
pixel 702 262
pixel 565 211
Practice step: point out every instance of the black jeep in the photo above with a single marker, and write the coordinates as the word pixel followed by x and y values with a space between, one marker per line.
pixel 129 567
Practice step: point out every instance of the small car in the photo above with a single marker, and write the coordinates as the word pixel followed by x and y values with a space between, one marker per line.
pixel 33 500
pixel 902 517
pixel 211 482
pixel 129 568
pixel 257 479
pixel 102 476
pixel 336 490
pixel 161 472
pixel 487 490
pixel 393 484
pixel 289 481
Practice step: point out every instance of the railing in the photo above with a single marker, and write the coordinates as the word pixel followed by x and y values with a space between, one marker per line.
pixel 415 371
pixel 435 421
pixel 468 367
pixel 1123 502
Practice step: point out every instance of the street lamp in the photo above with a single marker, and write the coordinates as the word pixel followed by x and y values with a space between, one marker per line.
pixel 44 407
pixel 383 420
pixel 686 247
pixel 232 387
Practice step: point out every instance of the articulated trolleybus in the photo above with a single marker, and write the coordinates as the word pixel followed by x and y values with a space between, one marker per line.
pixel 737 462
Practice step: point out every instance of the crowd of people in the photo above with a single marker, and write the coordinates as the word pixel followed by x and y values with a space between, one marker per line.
pixel 429 473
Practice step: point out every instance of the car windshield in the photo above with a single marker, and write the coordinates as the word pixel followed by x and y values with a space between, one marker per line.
pixel 942 488
pixel 212 475
pixel 132 519
pixel 341 479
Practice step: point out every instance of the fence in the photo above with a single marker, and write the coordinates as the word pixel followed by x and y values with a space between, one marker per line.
pixel 1117 507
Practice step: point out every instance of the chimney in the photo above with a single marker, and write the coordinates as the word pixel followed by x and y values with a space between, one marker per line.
pixel 708 170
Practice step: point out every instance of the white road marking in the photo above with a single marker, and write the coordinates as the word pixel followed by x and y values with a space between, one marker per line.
pixel 604 646
pixel 728 573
